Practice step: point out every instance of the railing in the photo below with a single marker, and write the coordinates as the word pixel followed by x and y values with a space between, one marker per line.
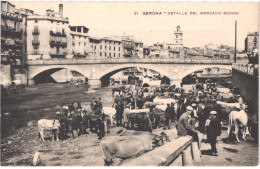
pixel 133 60
pixel 35 42
pixel 58 34
pixel 250 69
pixel 58 53
pixel 57 43
pixel 181 149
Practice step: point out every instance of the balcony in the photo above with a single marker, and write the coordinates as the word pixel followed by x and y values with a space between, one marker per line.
pixel 58 43
pixel 36 32
pixel 60 34
pixel 58 54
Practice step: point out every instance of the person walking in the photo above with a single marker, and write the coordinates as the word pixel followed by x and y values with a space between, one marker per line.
pixel 213 130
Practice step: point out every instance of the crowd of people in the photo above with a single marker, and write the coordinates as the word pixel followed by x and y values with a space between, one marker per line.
pixel 192 111
pixel 189 112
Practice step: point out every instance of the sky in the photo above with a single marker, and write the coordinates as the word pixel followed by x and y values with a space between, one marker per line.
pixel 118 18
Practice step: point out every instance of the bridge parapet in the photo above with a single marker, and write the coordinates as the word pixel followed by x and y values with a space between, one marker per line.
pixel 250 69
pixel 129 60
pixel 166 155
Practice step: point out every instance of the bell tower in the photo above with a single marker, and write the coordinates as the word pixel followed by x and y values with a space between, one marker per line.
pixel 178 37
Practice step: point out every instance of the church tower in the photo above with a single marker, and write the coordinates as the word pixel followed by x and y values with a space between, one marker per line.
pixel 178 37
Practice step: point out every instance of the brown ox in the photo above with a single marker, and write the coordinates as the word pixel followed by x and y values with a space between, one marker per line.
pixel 125 147
pixel 46 124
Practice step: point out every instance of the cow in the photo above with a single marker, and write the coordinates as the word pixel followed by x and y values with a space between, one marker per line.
pixel 240 119
pixel 46 124
pixel 125 147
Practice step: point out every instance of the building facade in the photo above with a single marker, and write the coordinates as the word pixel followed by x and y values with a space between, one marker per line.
pixel 12 44
pixel 47 35
pixel 78 42
pixel 251 41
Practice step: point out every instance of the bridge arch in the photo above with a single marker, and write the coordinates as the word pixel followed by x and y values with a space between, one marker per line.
pixel 106 74
pixel 191 69
pixel 117 68
pixel 43 74
pixel 38 70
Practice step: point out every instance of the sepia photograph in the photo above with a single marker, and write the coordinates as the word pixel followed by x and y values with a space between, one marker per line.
pixel 129 83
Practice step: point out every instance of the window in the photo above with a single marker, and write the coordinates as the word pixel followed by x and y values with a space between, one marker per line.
pixel 84 37
pixel 51 21
pixel 79 43
pixel 114 48
pixel 176 41
pixel 118 48
pixel 36 21
pixel 114 55
pixel 84 44
pixel 109 47
pixel 105 54
pixel 118 54
pixel 110 55
pixel 73 37
pixel 100 53
pixel 57 50
pixel 100 46
pixel 58 22
pixel 63 31
pixel 176 36
pixel 106 47
pixel 95 47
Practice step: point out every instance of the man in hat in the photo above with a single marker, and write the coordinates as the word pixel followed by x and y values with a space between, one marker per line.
pixel 184 127
pixel 213 130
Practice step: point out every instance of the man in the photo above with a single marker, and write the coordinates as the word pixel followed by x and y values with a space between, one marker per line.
pixel 83 122
pixel 168 116
pixel 173 117
pixel 99 103
pixel 184 127
pixel 92 104
pixel 125 115
pixel 213 129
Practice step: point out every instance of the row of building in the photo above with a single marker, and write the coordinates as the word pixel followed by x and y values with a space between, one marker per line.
pixel 26 35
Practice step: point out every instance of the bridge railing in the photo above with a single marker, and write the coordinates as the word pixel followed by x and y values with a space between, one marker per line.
pixel 250 69
pixel 128 60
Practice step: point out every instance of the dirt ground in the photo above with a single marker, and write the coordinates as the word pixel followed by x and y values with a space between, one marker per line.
pixel 19 139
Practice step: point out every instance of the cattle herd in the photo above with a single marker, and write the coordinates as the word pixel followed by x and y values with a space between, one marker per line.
pixel 147 108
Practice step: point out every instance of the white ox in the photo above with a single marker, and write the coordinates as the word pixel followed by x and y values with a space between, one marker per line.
pixel 224 104
pixel 111 112
pixel 240 119
pixel 164 102
pixel 46 124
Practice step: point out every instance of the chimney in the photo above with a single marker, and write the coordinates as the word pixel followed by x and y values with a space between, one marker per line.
pixel 61 10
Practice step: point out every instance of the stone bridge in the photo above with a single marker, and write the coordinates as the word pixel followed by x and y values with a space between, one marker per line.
pixel 98 71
